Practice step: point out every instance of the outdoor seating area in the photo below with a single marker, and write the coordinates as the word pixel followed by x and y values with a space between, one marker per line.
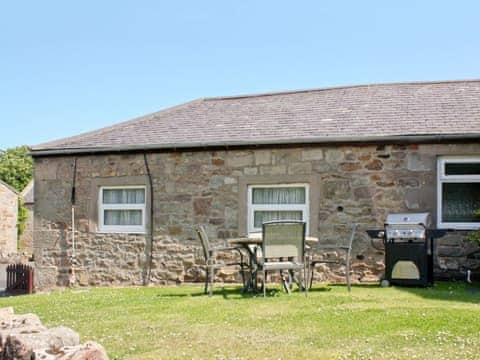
pixel 282 247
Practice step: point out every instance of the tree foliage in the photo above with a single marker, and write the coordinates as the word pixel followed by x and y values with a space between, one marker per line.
pixel 16 167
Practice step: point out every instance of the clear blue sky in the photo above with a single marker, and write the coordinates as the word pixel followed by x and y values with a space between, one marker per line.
pixel 68 67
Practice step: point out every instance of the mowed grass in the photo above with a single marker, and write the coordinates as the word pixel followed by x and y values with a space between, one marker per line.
pixel 442 322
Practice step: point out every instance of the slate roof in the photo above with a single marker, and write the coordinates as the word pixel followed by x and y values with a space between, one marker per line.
pixel 353 113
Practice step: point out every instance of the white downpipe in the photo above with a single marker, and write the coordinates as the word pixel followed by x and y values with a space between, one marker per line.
pixel 73 232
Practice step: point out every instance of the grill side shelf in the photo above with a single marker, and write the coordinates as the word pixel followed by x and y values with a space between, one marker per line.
pixel 376 234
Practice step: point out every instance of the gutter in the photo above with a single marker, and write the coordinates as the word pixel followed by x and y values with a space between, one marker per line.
pixel 402 139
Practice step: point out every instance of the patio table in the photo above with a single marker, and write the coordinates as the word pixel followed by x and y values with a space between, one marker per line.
pixel 251 243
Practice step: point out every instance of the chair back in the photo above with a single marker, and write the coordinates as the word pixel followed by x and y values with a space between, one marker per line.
pixel 283 239
pixel 202 235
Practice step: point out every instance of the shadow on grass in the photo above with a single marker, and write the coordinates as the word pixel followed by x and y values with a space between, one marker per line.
pixel 447 291
pixel 229 292
pixel 444 291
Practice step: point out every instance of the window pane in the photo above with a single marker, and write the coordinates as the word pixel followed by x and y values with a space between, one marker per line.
pixel 460 200
pixel 462 169
pixel 285 195
pixel 122 217
pixel 263 216
pixel 124 196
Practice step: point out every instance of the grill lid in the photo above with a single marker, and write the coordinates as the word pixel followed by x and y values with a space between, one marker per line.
pixel 408 219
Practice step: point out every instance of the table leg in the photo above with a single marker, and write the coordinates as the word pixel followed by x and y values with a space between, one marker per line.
pixel 251 283
pixel 297 280
pixel 286 283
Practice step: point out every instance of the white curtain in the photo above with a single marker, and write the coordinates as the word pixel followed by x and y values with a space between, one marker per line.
pixel 263 216
pixel 124 196
pixel 279 195
pixel 122 217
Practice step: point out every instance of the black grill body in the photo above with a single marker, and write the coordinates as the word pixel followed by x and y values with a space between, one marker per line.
pixel 416 258
pixel 409 249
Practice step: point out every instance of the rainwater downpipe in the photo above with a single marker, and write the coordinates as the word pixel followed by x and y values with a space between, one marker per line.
pixel 147 278
pixel 73 200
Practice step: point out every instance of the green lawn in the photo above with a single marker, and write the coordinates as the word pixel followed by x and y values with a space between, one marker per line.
pixel 179 322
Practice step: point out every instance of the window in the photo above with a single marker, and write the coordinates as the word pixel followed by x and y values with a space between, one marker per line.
pixel 458 192
pixel 122 209
pixel 276 202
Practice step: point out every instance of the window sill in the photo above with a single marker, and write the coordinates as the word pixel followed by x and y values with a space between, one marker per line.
pixel 126 232
pixel 461 226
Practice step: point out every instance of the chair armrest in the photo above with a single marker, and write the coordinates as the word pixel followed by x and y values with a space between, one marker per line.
pixel 229 248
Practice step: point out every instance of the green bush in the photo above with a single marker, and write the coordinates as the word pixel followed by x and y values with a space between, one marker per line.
pixel 22 217
pixel 474 236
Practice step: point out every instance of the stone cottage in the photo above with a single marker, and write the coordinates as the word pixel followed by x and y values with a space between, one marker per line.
pixel 8 219
pixel 328 156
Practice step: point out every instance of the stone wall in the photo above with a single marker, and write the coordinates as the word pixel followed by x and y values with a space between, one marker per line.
pixel 8 220
pixel 348 184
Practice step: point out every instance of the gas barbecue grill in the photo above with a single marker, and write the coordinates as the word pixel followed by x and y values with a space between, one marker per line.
pixel 409 248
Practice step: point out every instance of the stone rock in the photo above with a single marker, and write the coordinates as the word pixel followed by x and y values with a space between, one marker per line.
pixel 18 330
pixel 374 165
pixel 250 171
pixel 273 170
pixel 408 182
pixel 370 279
pixel 417 162
pixel 240 160
pixel 364 192
pixel 88 351
pixel 218 162
pixel 22 346
pixel 45 277
pixel 364 157
pixel 6 313
pixel 17 321
pixel 201 206
pixel 337 189
pixel 334 155
pixel 350 166
pixel 450 251
pixel 263 157
pixel 312 154
pixel 300 168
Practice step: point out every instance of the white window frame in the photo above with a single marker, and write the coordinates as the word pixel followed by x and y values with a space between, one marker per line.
pixel 442 178
pixel 131 229
pixel 277 207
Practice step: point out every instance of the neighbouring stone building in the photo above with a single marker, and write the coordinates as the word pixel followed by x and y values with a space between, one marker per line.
pixel 25 241
pixel 330 157
pixel 8 219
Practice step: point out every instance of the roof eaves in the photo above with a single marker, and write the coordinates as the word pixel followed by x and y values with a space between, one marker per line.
pixel 413 138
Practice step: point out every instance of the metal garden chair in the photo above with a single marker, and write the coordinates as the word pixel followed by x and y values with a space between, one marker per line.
pixel 347 248
pixel 283 248
pixel 211 261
